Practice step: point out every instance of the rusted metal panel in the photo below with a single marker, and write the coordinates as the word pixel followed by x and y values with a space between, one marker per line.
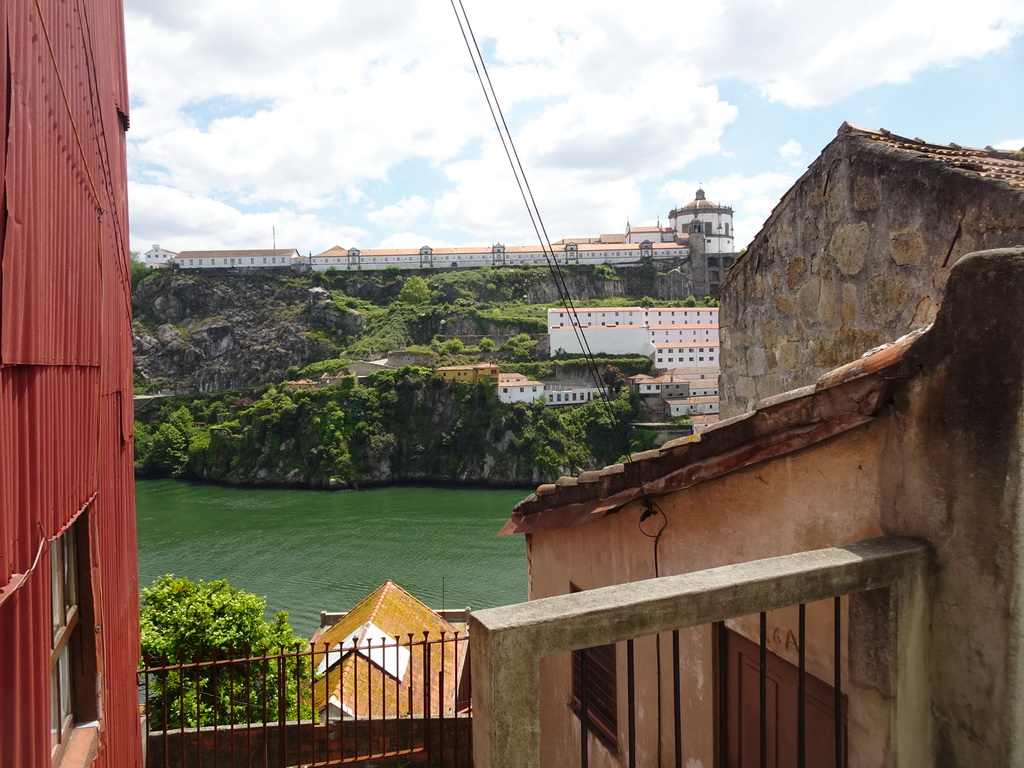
pixel 24 672
pixel 116 581
pixel 65 363
pixel 64 142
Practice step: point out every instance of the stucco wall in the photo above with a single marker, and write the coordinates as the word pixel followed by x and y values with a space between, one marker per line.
pixel 855 255
pixel 811 499
pixel 941 461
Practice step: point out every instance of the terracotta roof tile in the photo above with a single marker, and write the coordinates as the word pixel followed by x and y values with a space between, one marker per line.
pixel 989 163
pixel 840 400
pixel 398 614
pixel 237 254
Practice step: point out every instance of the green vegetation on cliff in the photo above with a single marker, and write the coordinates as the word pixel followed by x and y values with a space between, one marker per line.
pixel 404 425
pixel 205 332
pixel 215 333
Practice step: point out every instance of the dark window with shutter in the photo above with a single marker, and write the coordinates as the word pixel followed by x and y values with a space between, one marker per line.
pixel 601 690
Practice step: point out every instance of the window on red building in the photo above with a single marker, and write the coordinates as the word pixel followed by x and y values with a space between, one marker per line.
pixel 72 664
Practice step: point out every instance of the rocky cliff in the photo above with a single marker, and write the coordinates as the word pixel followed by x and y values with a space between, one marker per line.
pixel 205 333
pixel 402 426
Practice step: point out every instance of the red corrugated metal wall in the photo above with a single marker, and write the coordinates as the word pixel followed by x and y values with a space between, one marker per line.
pixel 65 360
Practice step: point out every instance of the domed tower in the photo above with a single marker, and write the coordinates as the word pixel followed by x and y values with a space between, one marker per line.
pixel 709 230
pixel 715 223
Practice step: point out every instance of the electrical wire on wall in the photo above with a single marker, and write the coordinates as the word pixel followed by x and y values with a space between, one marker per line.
pixel 652 520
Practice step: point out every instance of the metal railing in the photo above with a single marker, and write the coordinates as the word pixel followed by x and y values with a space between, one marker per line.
pixel 510 643
pixel 315 705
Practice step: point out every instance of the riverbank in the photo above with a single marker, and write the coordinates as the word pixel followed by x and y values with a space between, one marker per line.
pixel 403 426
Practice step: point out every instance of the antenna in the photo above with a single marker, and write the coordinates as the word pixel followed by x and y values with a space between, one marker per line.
pixel 273 236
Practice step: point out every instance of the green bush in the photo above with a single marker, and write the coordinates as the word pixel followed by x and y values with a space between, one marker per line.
pixel 186 620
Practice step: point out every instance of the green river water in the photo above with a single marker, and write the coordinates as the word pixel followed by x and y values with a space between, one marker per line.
pixel 309 551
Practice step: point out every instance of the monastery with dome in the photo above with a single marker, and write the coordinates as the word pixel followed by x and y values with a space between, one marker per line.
pixel 699 236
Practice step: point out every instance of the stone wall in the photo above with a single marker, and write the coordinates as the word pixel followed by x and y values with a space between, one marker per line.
pixel 855 255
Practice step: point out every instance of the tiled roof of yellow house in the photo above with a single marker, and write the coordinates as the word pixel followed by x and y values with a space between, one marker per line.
pixel 362 687
pixel 840 400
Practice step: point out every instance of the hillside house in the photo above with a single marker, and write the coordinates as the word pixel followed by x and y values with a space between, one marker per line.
pixel 702 423
pixel 690 406
pixel 370 660
pixel 158 257
pixel 570 394
pixel 328 379
pixel 671 383
pixel 517 388
pixel 469 374
pixel 837 570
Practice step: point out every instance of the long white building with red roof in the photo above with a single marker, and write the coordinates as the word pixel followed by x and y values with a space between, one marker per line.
pixel 700 232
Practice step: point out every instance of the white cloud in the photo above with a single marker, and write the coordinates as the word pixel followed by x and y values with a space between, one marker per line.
pixel 401 213
pixel 403 240
pixel 806 52
pixel 791 150
pixel 180 221
pixel 245 113
pixel 1011 144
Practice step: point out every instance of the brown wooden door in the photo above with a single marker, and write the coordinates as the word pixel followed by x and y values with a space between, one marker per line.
pixel 742 708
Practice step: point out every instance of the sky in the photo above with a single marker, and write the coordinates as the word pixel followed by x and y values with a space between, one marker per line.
pixel 317 123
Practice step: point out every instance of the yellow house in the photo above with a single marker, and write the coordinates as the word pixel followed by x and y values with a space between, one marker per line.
pixel 469 374
pixel 380 655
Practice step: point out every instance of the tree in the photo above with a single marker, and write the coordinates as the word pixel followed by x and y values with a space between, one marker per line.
pixel 415 291
pixel 521 346
pixel 614 378
pixel 452 347
pixel 184 620
pixel 604 272
pixel 167 449
pixel 138 270
pixel 689 301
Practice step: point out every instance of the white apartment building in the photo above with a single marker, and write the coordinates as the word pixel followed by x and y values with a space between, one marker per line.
pixel 158 257
pixel 673 336
pixel 684 406
pixel 675 355
pixel 517 388
pixel 570 394
pixel 610 340
pixel 279 258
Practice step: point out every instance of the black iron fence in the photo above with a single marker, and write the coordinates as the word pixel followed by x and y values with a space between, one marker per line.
pixel 390 700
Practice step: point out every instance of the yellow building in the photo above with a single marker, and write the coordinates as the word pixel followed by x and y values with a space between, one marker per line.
pixel 469 374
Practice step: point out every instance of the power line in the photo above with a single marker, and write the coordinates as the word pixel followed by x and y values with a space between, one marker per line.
pixel 537 221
